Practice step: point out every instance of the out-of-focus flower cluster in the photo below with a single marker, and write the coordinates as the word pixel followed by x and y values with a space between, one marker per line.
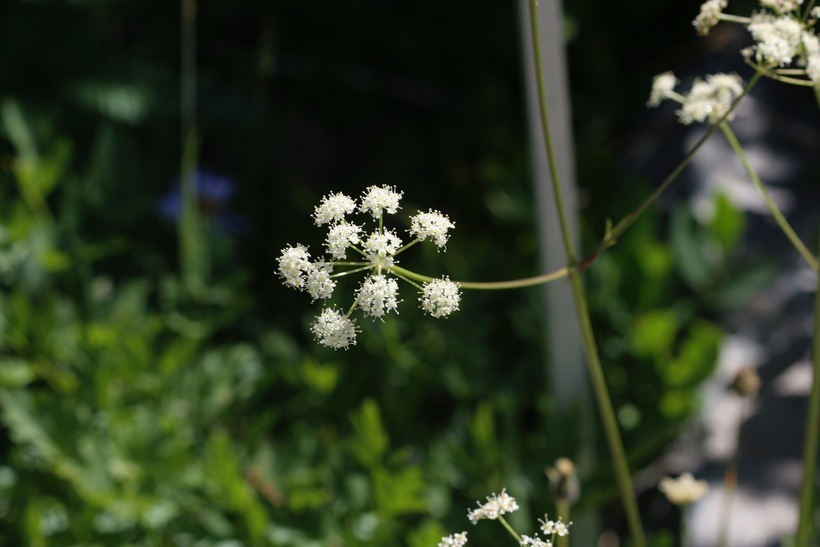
pixel 498 505
pixel 786 47
pixel 374 253
pixel 683 490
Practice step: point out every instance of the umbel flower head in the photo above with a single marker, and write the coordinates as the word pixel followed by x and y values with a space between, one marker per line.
pixel 373 253
pixel 708 100
pixel 784 38
pixel 496 506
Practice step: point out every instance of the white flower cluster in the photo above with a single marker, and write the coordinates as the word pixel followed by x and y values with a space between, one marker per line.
pixel 376 253
pixel 495 507
pixel 708 100
pixel 454 540
pixel 709 15
pixel 556 527
pixel 501 504
pixel 781 6
pixel 683 490
pixel 783 35
pixel 535 541
pixel 778 39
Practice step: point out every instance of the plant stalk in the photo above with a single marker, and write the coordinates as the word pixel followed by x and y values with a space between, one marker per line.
pixel 621 467
pixel 767 198
pixel 804 523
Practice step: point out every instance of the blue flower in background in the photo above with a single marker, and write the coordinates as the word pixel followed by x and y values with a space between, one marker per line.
pixel 214 192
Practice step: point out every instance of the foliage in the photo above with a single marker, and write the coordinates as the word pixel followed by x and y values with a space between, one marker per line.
pixel 138 411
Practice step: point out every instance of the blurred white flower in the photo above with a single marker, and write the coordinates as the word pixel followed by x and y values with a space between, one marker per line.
pixel 496 506
pixel 683 490
pixel 662 86
pixel 709 15
pixel 454 540
pixel 710 99
pixel 777 38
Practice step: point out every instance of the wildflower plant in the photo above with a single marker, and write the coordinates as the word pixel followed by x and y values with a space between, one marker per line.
pixel 352 250
pixel 498 505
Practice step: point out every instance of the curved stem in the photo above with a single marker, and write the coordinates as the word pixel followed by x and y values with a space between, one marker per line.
pixel 804 523
pixel 629 219
pixel 767 198
pixel 610 425
pixel 509 528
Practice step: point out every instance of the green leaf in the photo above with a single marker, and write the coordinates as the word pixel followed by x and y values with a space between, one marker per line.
pixel 728 223
pixel 400 492
pixel 653 334
pixel 697 356
pixel 688 249
pixel 371 440
pixel 16 373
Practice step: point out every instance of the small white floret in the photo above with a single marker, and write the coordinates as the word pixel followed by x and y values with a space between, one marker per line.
pixel 333 208
pixel 440 297
pixel 379 248
pixel 778 38
pixel 334 329
pixel 431 225
pixel 341 236
pixel 709 15
pixel 380 199
pixel 662 86
pixel 293 263
pixel 781 6
pixel 318 282
pixel 496 505
pixel 710 99
pixel 454 540
pixel 534 541
pixel 378 295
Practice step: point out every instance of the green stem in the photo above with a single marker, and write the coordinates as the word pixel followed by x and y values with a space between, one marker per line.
pixel 629 219
pixel 804 524
pixel 767 198
pixel 734 19
pixel 613 234
pixel 509 528
pixel 613 436
pixel 491 285
pixel 563 508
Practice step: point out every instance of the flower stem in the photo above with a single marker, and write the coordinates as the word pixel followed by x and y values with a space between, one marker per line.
pixel 621 467
pixel 767 198
pixel 563 508
pixel 730 482
pixel 509 528
pixel 628 220
pixel 804 523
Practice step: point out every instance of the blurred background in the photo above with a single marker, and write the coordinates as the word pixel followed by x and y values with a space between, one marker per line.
pixel 159 385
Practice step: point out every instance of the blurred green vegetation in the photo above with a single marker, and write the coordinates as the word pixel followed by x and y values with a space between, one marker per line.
pixel 138 412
